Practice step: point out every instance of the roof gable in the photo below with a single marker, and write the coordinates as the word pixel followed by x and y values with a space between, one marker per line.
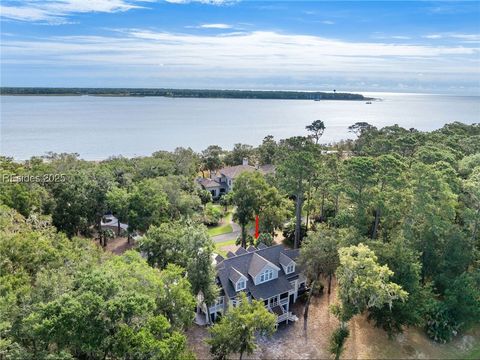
pixel 233 171
pixel 236 275
pixel 258 263
pixel 242 264
pixel 284 260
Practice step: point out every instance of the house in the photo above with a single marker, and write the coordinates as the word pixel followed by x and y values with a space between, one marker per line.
pixel 265 273
pixel 224 179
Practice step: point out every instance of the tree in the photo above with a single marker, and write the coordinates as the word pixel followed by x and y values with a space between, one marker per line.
pixel 211 158
pixel 359 180
pixel 295 167
pixel 148 205
pixel 265 239
pixel 64 298
pixel 405 264
pixel 239 153
pixel 389 191
pixel 471 188
pixel 118 201
pixel 274 210
pixel 237 329
pixel 247 196
pixel 430 217
pixel 319 253
pixel 267 150
pixel 186 245
pixel 186 161
pixel 316 129
pixel 319 257
pixel 363 284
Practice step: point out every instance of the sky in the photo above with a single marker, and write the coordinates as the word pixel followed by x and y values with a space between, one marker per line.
pixel 411 46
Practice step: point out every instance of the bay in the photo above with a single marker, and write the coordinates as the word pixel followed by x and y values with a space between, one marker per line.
pixel 100 127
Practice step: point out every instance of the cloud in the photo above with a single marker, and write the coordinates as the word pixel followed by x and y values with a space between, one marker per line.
pixel 382 36
pixel 458 36
pixel 56 11
pixel 433 36
pixel 209 2
pixel 216 26
pixel 328 22
pixel 248 52
pixel 259 59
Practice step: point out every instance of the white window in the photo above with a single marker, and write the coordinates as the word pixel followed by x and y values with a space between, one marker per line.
pixel 241 284
pixel 266 275
pixel 290 268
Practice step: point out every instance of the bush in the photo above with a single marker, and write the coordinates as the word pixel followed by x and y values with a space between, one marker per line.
pixel 337 340
pixel 264 238
pixel 439 326
pixel 212 215
pixel 289 232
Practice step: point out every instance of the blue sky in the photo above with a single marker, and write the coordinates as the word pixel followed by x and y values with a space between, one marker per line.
pixel 413 46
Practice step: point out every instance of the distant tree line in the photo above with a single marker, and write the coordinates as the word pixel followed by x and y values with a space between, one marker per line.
pixel 185 93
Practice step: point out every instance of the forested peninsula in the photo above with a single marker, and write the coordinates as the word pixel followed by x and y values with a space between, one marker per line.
pixel 185 93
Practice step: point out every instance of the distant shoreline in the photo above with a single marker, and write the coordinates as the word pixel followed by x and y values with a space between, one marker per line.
pixel 184 93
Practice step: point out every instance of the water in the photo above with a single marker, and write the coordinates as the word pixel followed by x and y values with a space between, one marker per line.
pixel 99 127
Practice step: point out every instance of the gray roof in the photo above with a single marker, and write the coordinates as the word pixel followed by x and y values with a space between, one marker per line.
pixel 242 264
pixel 235 275
pixel 208 183
pixel 284 260
pixel 261 246
pixel 240 251
pixel 230 254
pixel 257 263
pixel 219 258
pixel 233 171
pixel 251 248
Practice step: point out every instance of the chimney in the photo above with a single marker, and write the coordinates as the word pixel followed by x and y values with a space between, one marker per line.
pixel 245 161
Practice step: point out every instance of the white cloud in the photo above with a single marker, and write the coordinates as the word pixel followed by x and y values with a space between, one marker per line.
pixel 328 22
pixel 459 36
pixel 433 36
pixel 56 11
pixel 216 26
pixel 382 36
pixel 209 2
pixel 250 52
pixel 249 55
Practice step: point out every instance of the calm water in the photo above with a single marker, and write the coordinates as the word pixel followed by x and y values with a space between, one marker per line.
pixel 98 127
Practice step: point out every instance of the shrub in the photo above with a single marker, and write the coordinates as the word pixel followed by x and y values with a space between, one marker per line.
pixel 212 214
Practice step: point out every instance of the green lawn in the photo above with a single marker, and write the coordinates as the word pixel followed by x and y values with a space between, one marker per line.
pixel 218 247
pixel 225 228
pixel 219 230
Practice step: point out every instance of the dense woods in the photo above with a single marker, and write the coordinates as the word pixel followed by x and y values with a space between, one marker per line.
pixel 188 93
pixel 393 215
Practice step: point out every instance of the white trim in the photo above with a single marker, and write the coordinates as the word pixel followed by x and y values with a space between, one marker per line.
pixel 243 281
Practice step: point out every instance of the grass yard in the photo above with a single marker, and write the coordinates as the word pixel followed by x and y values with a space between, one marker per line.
pixel 219 247
pixel 224 228
pixel 220 230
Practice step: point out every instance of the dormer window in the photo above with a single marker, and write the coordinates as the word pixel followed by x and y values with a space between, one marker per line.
pixel 266 275
pixel 290 268
pixel 241 284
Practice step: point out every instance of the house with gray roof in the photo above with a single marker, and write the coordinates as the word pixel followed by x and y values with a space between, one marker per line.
pixel 224 179
pixel 269 274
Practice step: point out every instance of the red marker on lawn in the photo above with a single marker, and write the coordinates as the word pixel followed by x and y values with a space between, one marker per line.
pixel 256 227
